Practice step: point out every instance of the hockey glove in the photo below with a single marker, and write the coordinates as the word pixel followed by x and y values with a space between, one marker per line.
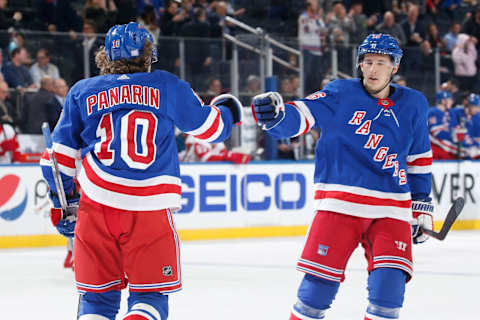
pixel 232 103
pixel 64 221
pixel 423 218
pixel 268 109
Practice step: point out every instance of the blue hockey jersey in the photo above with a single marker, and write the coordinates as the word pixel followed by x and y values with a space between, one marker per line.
pixel 373 156
pixel 122 127
pixel 440 124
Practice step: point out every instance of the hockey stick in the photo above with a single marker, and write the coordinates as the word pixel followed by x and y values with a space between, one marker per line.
pixel 452 215
pixel 56 172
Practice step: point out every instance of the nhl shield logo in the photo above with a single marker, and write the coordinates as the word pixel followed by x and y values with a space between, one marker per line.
pixel 167 271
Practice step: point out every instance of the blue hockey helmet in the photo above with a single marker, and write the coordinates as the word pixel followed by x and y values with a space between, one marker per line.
pixel 126 41
pixel 474 100
pixel 444 94
pixel 381 44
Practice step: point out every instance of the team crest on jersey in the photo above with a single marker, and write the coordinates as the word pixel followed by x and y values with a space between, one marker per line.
pixel 316 95
pixel 322 250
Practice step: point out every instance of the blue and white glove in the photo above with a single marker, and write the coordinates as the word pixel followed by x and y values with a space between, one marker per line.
pixel 232 103
pixel 268 110
pixel 64 221
pixel 423 218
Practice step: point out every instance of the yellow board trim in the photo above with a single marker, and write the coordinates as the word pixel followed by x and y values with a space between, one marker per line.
pixel 53 240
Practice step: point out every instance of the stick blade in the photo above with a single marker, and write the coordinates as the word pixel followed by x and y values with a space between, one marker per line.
pixel 452 216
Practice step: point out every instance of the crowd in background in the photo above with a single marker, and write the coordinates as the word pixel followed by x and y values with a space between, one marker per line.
pixel 38 66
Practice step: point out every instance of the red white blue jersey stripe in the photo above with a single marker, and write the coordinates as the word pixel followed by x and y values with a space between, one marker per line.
pixel 393 262
pixel 320 270
pixel 159 192
pixel 420 163
pixel 362 202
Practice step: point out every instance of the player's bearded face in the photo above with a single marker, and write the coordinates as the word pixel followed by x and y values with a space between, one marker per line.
pixel 377 71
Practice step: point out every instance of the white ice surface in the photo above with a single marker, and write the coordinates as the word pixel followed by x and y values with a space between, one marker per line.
pixel 254 279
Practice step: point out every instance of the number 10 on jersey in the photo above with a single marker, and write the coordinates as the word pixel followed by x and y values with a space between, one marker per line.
pixel 137 139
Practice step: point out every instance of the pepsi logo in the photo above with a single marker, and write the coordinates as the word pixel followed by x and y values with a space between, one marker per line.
pixel 13 198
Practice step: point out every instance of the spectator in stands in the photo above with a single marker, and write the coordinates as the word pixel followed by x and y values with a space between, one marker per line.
pixel 454 89
pixel 5 106
pixel 55 105
pixel 312 37
pixel 172 19
pixel 43 67
pixel 433 37
pixel 198 57
pixel 170 24
pixel 149 20
pixel 158 7
pixel 286 89
pixel 389 26
pixel 187 7
pixel 400 9
pixel 464 56
pixel 102 12
pixel 287 149
pixel 426 70
pixel 414 32
pixel 16 40
pixel 361 23
pixel 218 25
pixel 16 73
pixel 214 88
pixel 92 43
pixel 451 7
pixel 7 21
pixel 253 85
pixel 450 39
pixel 36 110
pixel 59 15
pixel 295 80
pixel 472 26
pixel 337 19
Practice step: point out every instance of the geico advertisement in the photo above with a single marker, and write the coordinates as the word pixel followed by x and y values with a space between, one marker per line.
pixel 225 195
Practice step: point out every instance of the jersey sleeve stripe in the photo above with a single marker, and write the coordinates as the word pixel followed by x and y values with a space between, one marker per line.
pixel 421 162
pixel 209 126
pixel 413 157
pixel 66 164
pixel 129 190
pixel 419 169
pixel 66 150
pixel 307 121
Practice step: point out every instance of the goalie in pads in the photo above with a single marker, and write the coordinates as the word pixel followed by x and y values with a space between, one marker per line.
pixel 372 169
pixel 122 122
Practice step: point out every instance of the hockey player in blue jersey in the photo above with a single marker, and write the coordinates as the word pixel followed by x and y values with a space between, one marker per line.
pixel 441 127
pixel 121 124
pixel 466 127
pixel 372 169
